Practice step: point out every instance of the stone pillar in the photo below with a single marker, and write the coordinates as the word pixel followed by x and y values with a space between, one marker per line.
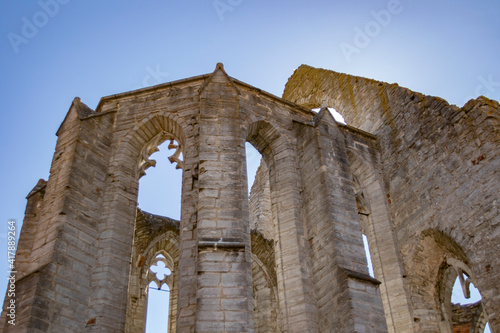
pixel 296 293
pixel 55 278
pixel 347 297
pixel 224 290
pixel 386 260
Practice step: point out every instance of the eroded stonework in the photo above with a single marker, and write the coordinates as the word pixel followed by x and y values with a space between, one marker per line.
pixel 417 176
pixel 440 167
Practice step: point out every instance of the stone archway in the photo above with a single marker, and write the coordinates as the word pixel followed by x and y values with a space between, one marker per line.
pixel 153 235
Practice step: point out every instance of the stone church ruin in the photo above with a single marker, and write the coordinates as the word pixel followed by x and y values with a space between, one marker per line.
pixel 418 176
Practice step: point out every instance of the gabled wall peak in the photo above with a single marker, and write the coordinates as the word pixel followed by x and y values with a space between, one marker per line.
pixel 219 76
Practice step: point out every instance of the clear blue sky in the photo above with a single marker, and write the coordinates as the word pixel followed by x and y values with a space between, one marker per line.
pixel 90 49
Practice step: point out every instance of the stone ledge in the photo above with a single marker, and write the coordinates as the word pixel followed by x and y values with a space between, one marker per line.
pixel 234 243
pixel 358 131
pixel 360 276
pixel 33 273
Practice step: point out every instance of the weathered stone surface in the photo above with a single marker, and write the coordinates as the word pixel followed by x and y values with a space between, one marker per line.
pixel 439 167
pixel 468 318
pixel 417 176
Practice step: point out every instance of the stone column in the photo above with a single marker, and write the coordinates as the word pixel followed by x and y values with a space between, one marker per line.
pixel 54 280
pixel 347 297
pixel 224 290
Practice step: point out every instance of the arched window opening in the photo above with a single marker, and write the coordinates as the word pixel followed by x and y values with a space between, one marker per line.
pixel 158 296
pixel 152 307
pixel 160 190
pixel 462 309
pixel 265 297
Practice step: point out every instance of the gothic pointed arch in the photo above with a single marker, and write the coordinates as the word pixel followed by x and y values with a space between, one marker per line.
pixel 156 239
pixel 127 164
pixel 277 153
pixel 435 264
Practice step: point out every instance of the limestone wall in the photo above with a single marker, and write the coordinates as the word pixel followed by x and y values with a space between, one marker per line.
pixel 440 166
pixel 291 259
pixel 260 203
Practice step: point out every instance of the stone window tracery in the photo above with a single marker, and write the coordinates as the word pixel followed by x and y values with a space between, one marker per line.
pixel 461 305
pixel 159 271
pixel 152 147
pixel 160 284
